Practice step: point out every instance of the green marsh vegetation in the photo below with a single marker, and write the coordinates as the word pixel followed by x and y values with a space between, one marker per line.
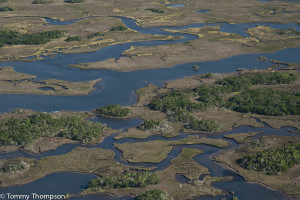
pixel 273 160
pixel 113 111
pixel 6 8
pixel 178 107
pixel 23 131
pixel 204 125
pixel 238 83
pixel 265 101
pixel 95 35
pixel 4 1
pixel 156 10
pixel 119 28
pixel 74 38
pixel 137 179
pixel 15 167
pixel 150 124
pixel 8 37
pixel 154 194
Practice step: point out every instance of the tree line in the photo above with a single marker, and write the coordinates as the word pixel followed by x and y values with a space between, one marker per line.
pixel 8 37
pixel 273 160
pixel 23 131
pixel 113 111
pixel 136 179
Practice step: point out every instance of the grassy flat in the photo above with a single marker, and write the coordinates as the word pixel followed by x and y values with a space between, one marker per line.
pixel 156 151
pixel 19 83
pixel 242 137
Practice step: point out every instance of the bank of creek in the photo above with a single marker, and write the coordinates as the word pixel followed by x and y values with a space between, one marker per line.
pixel 119 88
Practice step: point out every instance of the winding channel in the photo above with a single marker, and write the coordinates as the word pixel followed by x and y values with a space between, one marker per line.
pixel 118 88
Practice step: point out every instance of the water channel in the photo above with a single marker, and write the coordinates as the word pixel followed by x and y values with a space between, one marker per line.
pixel 119 88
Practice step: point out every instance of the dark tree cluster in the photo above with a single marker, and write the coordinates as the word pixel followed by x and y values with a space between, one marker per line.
pixel 74 38
pixel 210 96
pixel 266 101
pixel 273 160
pixel 238 83
pixel 15 167
pixel 137 179
pixel 149 124
pixel 15 38
pixel 181 116
pixel 154 194
pixel 6 8
pixel 156 10
pixel 80 130
pixel 95 35
pixel 23 131
pixel 119 28
pixel 204 125
pixel 178 104
pixel 175 101
pixel 3 1
pixel 113 111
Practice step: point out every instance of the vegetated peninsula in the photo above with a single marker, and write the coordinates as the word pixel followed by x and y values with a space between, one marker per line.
pixel 13 82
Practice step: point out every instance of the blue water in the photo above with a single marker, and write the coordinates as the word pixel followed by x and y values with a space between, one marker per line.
pixel 202 11
pixel 61 23
pixel 176 5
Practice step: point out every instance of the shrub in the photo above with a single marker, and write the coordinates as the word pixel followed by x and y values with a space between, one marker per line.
pixel 16 38
pixel 181 116
pixel 266 101
pixel 272 160
pixel 94 35
pixel 6 8
pixel 211 96
pixel 237 83
pixel 74 38
pixel 16 131
pixel 113 111
pixel 175 101
pixel 119 28
pixel 149 124
pixel 154 194
pixel 157 10
pixel 138 179
pixel 207 76
pixel 15 167
pixel 204 125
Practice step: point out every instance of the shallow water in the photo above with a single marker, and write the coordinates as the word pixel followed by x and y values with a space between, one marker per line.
pixel 202 11
pixel 175 5
pixel 61 23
